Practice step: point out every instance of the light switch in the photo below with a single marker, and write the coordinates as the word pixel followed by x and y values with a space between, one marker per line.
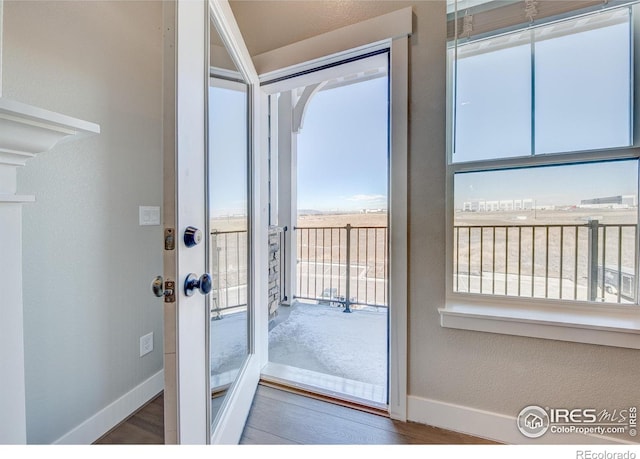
pixel 149 215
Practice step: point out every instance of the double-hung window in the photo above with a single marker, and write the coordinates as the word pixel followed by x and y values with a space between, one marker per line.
pixel 543 172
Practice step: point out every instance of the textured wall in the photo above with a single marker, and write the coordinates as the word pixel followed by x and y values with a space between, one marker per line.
pixel 87 263
pixel 492 372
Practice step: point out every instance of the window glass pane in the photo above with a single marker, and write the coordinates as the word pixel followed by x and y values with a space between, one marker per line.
pixel 560 232
pixel 582 83
pixel 493 99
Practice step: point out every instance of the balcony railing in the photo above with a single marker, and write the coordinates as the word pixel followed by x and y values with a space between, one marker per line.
pixel 587 262
pixel 228 271
pixel 343 265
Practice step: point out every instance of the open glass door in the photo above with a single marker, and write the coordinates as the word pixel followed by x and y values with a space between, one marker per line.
pixel 329 141
pixel 211 364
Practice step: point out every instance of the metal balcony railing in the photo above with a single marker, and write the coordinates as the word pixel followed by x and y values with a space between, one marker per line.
pixel 588 262
pixel 228 271
pixel 343 266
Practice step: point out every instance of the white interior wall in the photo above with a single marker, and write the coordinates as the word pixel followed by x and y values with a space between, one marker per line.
pixel 496 373
pixel 88 264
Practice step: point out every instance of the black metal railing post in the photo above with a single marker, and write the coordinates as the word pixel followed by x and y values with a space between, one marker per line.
pixel 214 305
pixel 593 259
pixel 283 265
pixel 347 300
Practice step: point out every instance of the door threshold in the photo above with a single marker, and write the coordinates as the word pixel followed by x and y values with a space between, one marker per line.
pixel 334 389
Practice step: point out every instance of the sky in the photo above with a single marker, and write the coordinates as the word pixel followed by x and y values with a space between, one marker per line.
pixel 227 152
pixel 342 149
pixel 551 185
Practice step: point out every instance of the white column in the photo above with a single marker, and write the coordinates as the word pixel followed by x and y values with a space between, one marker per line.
pixel 287 187
pixel 13 427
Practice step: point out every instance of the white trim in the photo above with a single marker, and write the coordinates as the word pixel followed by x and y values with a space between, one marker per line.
pixel 548 159
pixel 388 26
pixel 232 76
pixel 492 426
pixel 26 130
pixel 308 74
pixel 398 228
pixel 114 413
pixel 237 404
pixel 613 326
pixel 225 22
pixel 16 198
pixel 18 111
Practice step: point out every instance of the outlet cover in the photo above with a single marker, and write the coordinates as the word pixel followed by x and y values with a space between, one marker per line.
pixel 146 344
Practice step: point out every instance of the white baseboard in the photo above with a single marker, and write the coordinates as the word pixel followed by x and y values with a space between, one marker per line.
pixel 491 426
pixel 110 416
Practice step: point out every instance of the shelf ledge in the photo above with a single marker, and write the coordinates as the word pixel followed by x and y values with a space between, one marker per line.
pixel 26 131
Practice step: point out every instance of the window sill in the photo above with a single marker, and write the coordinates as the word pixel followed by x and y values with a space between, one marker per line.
pixel 619 327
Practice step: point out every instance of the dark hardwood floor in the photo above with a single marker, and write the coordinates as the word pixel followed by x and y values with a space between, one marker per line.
pixel 280 417
pixel 144 427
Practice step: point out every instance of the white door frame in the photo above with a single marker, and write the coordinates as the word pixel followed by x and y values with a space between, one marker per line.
pixel 390 31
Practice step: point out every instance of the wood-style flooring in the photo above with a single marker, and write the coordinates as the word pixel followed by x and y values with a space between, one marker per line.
pixel 144 427
pixel 279 417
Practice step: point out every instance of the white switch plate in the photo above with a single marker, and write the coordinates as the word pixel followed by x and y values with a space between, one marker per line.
pixel 149 215
pixel 146 344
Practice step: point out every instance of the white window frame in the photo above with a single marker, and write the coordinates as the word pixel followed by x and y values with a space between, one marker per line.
pixel 565 320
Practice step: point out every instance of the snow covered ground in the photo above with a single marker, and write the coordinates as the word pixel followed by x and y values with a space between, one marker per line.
pixel 322 338
pixel 314 337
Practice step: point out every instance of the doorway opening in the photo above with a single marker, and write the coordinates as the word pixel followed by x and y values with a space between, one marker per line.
pixel 329 217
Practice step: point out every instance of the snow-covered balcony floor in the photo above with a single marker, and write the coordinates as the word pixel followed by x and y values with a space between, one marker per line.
pixel 320 347
pixel 314 347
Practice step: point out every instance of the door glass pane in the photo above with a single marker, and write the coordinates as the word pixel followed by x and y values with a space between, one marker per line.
pixel 582 83
pixel 228 221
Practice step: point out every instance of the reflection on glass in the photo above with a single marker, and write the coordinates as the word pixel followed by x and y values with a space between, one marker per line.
pixel 579 72
pixel 583 90
pixel 493 100
pixel 228 221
